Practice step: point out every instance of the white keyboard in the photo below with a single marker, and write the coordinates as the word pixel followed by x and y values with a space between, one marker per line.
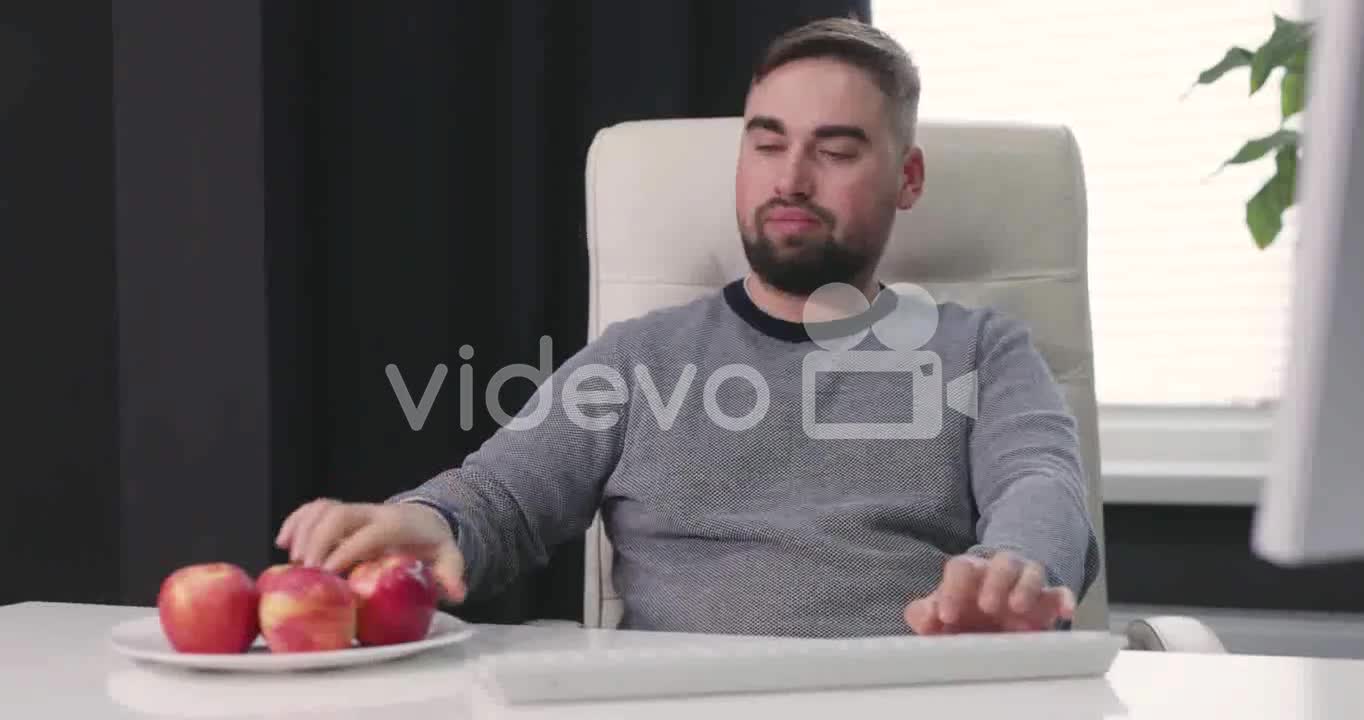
pixel 788 664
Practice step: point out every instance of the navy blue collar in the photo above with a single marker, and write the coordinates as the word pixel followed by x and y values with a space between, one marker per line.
pixel 738 300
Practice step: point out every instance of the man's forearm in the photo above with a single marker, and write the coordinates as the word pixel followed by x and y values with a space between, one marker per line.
pixel 1027 474
pixel 446 494
pixel 1039 518
pixel 532 485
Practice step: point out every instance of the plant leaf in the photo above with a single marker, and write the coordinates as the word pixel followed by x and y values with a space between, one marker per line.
pixel 1297 62
pixel 1286 169
pixel 1235 57
pixel 1283 44
pixel 1291 91
pixel 1264 211
pixel 1258 148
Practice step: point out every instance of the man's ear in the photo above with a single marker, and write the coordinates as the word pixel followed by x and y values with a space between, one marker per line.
pixel 911 179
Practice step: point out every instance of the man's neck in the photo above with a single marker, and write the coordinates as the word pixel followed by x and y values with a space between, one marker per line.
pixel 792 308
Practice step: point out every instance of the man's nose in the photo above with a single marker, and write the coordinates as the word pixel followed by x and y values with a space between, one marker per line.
pixel 796 179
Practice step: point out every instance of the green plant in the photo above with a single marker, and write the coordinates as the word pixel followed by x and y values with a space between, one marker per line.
pixel 1288 49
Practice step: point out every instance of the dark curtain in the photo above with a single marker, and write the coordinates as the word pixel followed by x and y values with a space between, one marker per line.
pixel 425 192
pixel 60 388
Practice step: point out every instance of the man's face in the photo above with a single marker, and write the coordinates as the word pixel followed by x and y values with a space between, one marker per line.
pixel 820 175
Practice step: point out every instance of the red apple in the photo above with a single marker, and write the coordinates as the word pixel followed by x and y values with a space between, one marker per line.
pixel 397 596
pixel 264 580
pixel 209 608
pixel 305 609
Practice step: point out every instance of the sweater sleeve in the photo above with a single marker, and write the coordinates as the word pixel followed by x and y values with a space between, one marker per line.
pixel 1026 474
pixel 538 480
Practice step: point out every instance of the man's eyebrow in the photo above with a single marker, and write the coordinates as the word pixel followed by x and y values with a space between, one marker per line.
pixel 765 122
pixel 847 131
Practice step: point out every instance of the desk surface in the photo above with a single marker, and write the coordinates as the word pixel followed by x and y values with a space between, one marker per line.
pixel 55 661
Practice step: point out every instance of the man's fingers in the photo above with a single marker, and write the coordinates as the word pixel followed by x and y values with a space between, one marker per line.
pixel 1027 590
pixel 335 524
pixel 1006 593
pixel 286 529
pixel 922 616
pixel 367 543
pixel 1000 577
pixel 960 582
pixel 1062 600
pixel 449 573
pixel 289 530
pixel 1053 604
pixel 308 515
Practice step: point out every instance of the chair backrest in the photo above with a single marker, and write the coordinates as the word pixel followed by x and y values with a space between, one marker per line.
pixel 1002 222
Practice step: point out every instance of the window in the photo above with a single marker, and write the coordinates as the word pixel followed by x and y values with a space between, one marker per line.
pixel 1186 310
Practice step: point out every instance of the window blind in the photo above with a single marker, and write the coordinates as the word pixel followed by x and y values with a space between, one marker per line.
pixel 1187 311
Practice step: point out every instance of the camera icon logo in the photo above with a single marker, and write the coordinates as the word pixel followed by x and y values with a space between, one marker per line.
pixel 904 330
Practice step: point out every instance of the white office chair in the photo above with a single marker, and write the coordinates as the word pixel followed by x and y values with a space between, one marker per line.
pixel 1002 222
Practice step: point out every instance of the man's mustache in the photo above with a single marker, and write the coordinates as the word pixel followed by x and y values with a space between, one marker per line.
pixel 822 214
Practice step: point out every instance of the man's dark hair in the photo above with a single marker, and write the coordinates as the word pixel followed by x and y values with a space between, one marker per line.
pixel 861 46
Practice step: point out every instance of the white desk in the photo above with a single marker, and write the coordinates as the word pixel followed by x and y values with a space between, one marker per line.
pixel 55 662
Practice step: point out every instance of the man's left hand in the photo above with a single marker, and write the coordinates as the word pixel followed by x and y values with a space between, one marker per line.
pixel 1003 594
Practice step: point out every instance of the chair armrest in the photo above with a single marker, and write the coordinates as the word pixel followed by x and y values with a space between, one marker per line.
pixel 1172 633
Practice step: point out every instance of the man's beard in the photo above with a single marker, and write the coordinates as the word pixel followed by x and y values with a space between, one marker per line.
pixel 818 261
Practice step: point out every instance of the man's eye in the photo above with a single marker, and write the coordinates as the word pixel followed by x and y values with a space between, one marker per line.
pixel 769 148
pixel 840 156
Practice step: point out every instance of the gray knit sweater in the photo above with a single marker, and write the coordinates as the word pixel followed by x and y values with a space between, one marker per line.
pixel 732 517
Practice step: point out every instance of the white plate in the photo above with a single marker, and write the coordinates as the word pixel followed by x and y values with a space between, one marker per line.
pixel 144 641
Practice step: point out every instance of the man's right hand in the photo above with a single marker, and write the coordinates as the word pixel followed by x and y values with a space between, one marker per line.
pixel 336 536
